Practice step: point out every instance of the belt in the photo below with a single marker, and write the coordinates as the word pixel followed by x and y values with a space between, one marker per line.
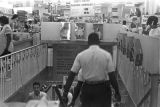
pixel 96 82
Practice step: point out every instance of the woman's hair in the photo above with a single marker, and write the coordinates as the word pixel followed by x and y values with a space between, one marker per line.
pixel 4 20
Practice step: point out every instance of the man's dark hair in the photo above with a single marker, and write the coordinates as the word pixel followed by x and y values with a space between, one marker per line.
pixel 93 39
pixel 4 20
pixel 124 22
pixel 36 83
pixel 14 16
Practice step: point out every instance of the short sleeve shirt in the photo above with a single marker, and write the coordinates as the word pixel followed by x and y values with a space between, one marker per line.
pixel 33 96
pixel 95 63
pixel 80 77
pixel 6 29
pixel 3 41
pixel 155 32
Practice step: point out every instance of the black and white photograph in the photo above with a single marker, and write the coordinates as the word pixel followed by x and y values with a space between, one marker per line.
pixel 65 31
pixel 79 53
pixel 80 31
pixel 98 28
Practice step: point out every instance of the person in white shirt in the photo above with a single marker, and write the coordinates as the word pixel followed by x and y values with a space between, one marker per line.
pixel 5 35
pixel 124 26
pixel 97 72
pixel 43 102
pixel 36 94
pixel 155 30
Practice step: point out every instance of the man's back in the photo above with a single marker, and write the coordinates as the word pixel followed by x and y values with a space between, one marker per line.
pixel 98 73
pixel 94 62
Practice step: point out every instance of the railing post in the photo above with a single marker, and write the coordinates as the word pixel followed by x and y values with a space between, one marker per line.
pixel 154 90
pixel 47 55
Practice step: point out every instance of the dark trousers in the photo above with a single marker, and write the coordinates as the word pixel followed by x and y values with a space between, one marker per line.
pixel 97 95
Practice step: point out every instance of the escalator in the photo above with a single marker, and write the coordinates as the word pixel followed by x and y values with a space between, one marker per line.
pixel 55 74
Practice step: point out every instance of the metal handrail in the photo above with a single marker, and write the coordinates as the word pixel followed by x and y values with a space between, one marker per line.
pixel 22 50
pixel 144 98
pixel 17 68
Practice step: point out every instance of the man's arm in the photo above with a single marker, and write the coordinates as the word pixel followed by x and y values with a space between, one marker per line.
pixel 113 81
pixel 74 70
pixel 68 83
pixel 112 78
pixel 76 91
pixel 114 84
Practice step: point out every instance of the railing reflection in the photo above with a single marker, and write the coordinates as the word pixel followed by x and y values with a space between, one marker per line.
pixel 19 67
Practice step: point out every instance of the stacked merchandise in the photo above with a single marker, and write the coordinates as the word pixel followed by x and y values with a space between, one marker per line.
pixel 22 15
